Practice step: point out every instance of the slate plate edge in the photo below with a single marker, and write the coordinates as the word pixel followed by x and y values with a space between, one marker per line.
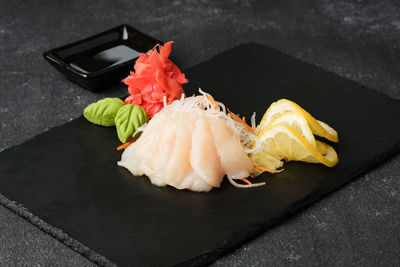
pixel 57 233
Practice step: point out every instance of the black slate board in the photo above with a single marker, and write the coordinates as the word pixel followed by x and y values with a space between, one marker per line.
pixel 68 176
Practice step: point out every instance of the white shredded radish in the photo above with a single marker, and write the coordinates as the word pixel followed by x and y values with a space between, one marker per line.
pixel 253 121
pixel 165 101
pixel 233 182
pixel 203 105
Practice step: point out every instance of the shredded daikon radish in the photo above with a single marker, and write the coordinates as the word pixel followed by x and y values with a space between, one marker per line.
pixel 253 121
pixel 165 101
pixel 233 182
pixel 201 104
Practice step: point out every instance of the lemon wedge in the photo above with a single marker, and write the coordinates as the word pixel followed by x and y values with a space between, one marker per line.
pixel 281 141
pixel 282 106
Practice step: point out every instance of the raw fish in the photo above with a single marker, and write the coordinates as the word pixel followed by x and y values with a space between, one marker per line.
pixel 189 144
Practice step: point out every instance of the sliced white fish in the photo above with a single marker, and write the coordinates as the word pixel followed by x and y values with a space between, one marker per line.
pixel 189 145
pixel 204 158
pixel 234 160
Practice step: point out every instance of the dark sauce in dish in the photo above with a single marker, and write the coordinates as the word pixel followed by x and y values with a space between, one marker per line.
pixel 103 59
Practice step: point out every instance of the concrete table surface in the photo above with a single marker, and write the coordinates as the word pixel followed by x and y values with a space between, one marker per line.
pixel 357 225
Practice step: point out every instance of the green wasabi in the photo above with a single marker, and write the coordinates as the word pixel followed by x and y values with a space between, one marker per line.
pixel 128 119
pixel 103 112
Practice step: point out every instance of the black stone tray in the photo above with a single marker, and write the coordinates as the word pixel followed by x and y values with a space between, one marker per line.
pixel 69 178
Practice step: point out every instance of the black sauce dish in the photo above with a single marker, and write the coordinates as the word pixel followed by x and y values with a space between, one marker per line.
pixel 102 59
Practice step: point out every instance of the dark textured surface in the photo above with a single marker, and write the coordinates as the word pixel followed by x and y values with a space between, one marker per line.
pixel 357 39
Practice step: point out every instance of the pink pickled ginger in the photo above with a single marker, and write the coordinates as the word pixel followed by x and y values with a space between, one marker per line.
pixel 155 76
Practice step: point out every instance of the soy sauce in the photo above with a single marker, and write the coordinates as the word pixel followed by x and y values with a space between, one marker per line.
pixel 103 59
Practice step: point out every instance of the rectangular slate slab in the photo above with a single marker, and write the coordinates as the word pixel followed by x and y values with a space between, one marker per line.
pixel 69 178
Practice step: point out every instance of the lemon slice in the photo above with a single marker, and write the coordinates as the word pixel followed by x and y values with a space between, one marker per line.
pixel 265 160
pixel 295 120
pixel 281 141
pixel 317 127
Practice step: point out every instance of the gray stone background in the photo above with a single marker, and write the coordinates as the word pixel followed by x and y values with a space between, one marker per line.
pixel 357 225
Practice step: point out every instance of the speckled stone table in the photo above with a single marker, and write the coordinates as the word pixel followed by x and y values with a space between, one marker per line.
pixel 357 225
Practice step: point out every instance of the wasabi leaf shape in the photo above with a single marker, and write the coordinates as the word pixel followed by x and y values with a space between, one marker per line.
pixel 103 112
pixel 128 119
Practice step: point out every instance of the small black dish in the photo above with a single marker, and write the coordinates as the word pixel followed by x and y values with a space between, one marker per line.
pixel 102 59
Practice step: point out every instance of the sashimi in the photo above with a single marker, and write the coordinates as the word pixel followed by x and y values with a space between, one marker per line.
pixel 204 157
pixel 192 144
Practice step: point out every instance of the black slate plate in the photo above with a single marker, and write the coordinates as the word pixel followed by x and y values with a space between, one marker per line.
pixel 68 176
